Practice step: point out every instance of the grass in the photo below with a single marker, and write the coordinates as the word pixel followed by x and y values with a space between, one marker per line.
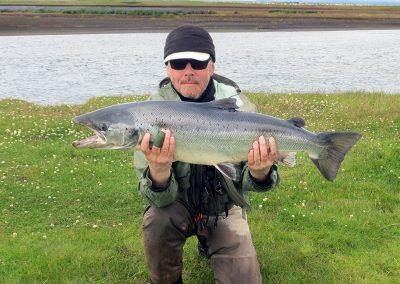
pixel 84 11
pixel 72 215
pixel 292 11
pixel 203 9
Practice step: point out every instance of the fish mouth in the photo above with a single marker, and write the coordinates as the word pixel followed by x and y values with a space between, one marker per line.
pixel 98 140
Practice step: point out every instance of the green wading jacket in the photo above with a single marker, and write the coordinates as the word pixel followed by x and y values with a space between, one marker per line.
pixel 178 188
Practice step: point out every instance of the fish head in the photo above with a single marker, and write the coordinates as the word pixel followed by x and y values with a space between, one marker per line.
pixel 114 128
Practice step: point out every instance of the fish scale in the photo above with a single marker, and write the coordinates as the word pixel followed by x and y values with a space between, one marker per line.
pixel 229 134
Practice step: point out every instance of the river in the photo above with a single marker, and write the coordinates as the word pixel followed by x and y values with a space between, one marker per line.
pixel 69 69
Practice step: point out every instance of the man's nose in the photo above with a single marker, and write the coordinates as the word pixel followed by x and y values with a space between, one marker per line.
pixel 188 68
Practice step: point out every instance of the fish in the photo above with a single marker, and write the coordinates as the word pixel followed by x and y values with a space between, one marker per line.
pixel 213 133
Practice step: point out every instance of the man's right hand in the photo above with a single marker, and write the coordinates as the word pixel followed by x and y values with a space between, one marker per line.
pixel 159 160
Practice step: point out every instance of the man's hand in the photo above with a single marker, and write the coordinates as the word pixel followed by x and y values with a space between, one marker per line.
pixel 159 160
pixel 261 158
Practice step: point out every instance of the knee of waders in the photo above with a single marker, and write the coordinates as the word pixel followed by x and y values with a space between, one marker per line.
pixel 173 218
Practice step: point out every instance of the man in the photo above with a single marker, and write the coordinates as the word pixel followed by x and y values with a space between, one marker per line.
pixel 187 200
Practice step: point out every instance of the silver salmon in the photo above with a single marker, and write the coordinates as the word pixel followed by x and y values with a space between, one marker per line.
pixel 214 133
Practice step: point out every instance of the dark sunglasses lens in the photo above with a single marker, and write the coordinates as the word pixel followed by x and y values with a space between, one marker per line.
pixel 181 64
pixel 178 64
pixel 198 65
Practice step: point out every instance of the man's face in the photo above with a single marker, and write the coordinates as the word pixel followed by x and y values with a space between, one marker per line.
pixel 189 82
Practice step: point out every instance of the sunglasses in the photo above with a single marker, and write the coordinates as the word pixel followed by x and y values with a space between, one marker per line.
pixel 180 64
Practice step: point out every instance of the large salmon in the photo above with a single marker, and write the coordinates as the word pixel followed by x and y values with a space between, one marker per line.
pixel 213 133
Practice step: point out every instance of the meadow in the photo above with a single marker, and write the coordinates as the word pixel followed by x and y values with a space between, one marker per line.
pixel 202 9
pixel 88 11
pixel 74 216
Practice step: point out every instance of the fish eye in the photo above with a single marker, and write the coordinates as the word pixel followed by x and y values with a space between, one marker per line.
pixel 104 127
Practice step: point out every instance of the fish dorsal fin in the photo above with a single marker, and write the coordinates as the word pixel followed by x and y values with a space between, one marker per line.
pixel 228 104
pixel 297 121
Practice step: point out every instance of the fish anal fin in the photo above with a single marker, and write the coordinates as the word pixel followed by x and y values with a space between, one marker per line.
pixel 287 158
pixel 228 170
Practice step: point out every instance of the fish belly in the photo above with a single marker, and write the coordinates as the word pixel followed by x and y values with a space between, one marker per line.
pixel 211 137
pixel 210 148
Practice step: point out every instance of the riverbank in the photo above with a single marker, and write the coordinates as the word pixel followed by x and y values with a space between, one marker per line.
pixel 73 215
pixel 214 18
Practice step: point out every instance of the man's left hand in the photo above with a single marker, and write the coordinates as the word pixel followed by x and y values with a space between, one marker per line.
pixel 261 157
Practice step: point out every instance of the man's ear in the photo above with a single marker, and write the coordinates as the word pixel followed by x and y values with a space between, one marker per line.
pixel 211 68
pixel 168 71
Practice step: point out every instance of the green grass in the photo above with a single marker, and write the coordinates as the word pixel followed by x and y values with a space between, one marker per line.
pixel 84 11
pixel 71 215
pixel 202 10
pixel 282 11
pixel 114 2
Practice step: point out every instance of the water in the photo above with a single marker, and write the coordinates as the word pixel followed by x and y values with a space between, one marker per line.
pixel 56 69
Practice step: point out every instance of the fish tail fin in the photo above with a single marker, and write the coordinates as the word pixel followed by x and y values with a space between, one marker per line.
pixel 337 146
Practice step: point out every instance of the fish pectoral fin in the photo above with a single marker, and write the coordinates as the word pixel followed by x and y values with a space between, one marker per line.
pixel 287 158
pixel 228 170
pixel 297 121
pixel 158 140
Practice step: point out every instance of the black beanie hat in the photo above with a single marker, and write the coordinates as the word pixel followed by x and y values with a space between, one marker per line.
pixel 189 38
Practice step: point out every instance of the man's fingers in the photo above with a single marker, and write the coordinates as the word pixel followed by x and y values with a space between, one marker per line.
pixel 256 148
pixel 144 146
pixel 250 158
pixel 155 150
pixel 171 148
pixel 272 148
pixel 263 148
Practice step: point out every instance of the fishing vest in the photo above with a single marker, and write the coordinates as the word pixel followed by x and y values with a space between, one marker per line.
pixel 224 88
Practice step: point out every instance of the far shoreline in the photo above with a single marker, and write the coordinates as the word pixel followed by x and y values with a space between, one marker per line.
pixel 25 25
pixel 223 18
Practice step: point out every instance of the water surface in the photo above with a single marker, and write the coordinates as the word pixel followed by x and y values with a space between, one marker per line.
pixel 55 69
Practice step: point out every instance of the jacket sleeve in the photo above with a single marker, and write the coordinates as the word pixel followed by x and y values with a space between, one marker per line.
pixel 249 184
pixel 159 197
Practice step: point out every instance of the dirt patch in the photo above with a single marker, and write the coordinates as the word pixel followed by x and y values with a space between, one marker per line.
pixel 20 24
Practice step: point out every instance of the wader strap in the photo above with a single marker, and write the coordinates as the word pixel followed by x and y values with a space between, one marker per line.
pixel 233 193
